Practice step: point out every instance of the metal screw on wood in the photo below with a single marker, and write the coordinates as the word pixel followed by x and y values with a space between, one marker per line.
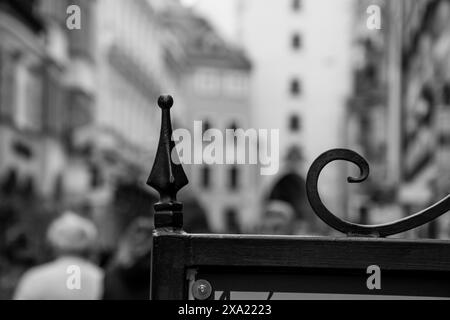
pixel 201 290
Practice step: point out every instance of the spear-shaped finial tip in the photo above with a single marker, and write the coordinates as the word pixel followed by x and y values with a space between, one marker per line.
pixel 167 177
pixel 165 102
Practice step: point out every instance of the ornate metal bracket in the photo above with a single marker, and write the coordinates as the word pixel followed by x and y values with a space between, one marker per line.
pixel 381 230
pixel 166 176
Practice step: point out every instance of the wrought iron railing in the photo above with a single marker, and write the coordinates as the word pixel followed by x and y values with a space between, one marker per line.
pixel 168 178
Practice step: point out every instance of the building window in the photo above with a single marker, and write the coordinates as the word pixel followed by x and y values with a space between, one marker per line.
pixel 295 87
pixel 446 95
pixel 28 188
pixel 207 82
pixel 425 113
pixel 206 177
pixel 232 221
pixel 29 99
pixel 235 84
pixel 22 150
pixel 294 123
pixel 1 84
pixel 96 176
pixel 9 182
pixel 428 95
pixel 296 41
pixel 58 187
pixel 206 126
pixel 233 126
pixel 234 177
pixel 296 5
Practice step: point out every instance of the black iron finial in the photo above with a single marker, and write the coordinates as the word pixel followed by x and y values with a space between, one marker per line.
pixel 166 176
pixel 354 229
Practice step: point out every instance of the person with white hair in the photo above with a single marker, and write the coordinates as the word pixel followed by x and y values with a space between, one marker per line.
pixel 71 276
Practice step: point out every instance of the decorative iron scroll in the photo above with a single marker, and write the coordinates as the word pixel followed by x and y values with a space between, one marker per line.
pixel 381 230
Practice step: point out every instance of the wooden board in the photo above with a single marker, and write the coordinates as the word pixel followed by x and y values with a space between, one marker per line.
pixel 298 267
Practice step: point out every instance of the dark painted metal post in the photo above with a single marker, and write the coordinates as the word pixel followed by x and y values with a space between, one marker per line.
pixel 168 252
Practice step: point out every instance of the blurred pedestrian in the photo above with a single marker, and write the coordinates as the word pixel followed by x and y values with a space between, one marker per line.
pixel 71 276
pixel 278 218
pixel 128 275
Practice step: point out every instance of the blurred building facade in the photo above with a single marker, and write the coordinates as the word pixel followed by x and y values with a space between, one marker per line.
pixel 120 141
pixel 78 112
pixel 301 53
pixel 401 94
pixel 425 107
pixel 215 86
pixel 43 99
pixel 41 102
pixel 373 114
pixel 79 123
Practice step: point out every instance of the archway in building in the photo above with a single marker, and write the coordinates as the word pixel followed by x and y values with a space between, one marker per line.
pixel 291 188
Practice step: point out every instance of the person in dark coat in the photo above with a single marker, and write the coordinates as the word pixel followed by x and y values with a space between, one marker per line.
pixel 127 277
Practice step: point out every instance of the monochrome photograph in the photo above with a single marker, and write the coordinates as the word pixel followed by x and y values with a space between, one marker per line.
pixel 199 150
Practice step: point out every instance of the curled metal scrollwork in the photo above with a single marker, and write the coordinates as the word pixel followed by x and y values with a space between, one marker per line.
pixel 381 230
